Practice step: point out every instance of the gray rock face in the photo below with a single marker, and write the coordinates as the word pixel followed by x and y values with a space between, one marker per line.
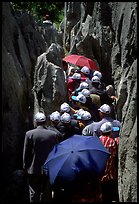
pixel 48 77
pixel 16 83
pixel 108 34
pixel 25 51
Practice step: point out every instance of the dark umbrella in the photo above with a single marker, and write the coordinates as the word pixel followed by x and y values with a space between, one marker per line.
pixel 75 155
pixel 80 60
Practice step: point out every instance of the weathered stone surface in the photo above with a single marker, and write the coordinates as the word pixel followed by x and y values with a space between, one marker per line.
pixel 22 44
pixel 16 70
pixel 48 77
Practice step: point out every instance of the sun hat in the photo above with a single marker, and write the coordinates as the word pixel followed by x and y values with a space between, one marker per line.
pixel 95 79
pixel 76 76
pixel 55 116
pixel 81 98
pixel 105 109
pixel 65 118
pixel 39 117
pixel 85 70
pixel 106 127
pixel 98 74
pixel 65 107
pixel 85 115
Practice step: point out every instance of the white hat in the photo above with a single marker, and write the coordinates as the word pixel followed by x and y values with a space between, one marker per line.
pixel 65 107
pixel 105 109
pixel 76 76
pixel 95 79
pixel 85 92
pixel 106 127
pixel 83 85
pixel 85 115
pixel 79 112
pixel 81 98
pixel 55 116
pixel 85 70
pixel 39 117
pixel 98 74
pixel 65 118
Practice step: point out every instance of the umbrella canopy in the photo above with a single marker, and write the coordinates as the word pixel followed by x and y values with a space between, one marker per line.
pixel 80 60
pixel 75 155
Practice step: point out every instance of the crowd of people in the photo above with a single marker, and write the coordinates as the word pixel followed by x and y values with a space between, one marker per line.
pixel 90 110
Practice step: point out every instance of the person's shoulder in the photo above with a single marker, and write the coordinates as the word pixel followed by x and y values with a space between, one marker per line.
pixel 30 131
pixel 117 121
pixel 52 132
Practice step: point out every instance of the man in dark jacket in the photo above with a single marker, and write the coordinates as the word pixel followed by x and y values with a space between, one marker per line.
pixel 37 145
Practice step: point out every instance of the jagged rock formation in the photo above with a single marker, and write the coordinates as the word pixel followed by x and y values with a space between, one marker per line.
pixel 33 78
pixel 107 32
pixel 25 51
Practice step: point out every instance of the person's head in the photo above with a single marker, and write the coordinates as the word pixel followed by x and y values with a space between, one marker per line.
pixel 86 93
pixel 98 74
pixel 76 76
pixel 104 110
pixel 106 129
pixel 55 117
pixel 110 90
pixel 85 70
pixel 65 118
pixel 65 107
pixel 83 85
pixel 39 119
pixel 78 113
pixel 80 100
pixel 95 81
pixel 84 117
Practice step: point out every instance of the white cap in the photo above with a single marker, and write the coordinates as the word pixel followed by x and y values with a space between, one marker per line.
pixel 39 117
pixel 85 70
pixel 76 76
pixel 83 85
pixel 85 115
pixel 65 107
pixel 106 127
pixel 81 98
pixel 95 79
pixel 79 112
pixel 85 92
pixel 65 118
pixel 98 74
pixel 55 116
pixel 105 109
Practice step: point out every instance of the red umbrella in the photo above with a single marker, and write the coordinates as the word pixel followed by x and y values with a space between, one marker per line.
pixel 80 60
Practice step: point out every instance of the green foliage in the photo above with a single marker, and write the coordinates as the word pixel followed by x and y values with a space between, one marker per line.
pixel 40 9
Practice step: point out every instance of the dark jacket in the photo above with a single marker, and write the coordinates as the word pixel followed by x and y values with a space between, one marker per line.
pixel 57 130
pixel 37 145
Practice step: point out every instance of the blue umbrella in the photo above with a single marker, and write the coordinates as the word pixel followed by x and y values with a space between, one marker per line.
pixel 75 155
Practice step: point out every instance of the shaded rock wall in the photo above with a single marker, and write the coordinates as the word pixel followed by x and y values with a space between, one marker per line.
pixel 107 33
pixel 24 45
